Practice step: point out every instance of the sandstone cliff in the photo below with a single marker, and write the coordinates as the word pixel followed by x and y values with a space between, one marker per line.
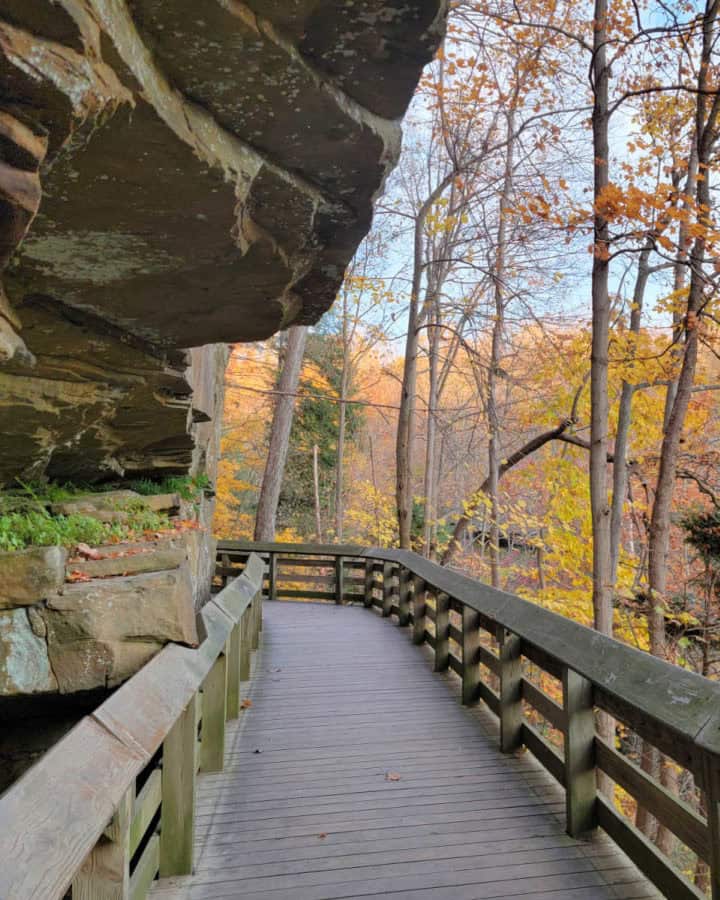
pixel 172 175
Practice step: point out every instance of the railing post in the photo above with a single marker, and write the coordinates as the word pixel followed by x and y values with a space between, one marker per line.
pixel 579 736
pixel 226 566
pixel 233 672
pixel 404 590
pixel 177 819
pixel 419 610
pixel 339 579
pixel 214 714
pixel 105 874
pixel 272 576
pixel 245 644
pixel 254 632
pixel 387 589
pixel 369 582
pixel 470 660
pixel 511 714
pixel 711 787
pixel 442 631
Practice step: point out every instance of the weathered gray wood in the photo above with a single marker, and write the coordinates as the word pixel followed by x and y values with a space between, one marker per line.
pixel 546 706
pixel 339 580
pixel 314 562
pixel 299 593
pixel 254 622
pixel 579 741
pixel 511 714
pixel 178 795
pixel 644 854
pixel 419 609
pixel 387 589
pixel 303 578
pixel 146 869
pixel 214 715
pixel 470 655
pixel 544 752
pixel 671 811
pixel 72 793
pixel 489 659
pixel 369 583
pixel 489 697
pixel 711 787
pixel 233 673
pixel 105 874
pixel 404 596
pixel 245 646
pixel 145 807
pixel 335 807
pixel 264 547
pixel 272 576
pixel 442 632
pixel 672 707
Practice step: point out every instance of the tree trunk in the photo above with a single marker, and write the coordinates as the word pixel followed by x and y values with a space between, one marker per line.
pixel 430 509
pixel 340 462
pixel 316 485
pixel 406 414
pixel 706 136
pixel 600 510
pixel 340 458
pixel 602 597
pixel 624 422
pixel 495 357
pixel 266 515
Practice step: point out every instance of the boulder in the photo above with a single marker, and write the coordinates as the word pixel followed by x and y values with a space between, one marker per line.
pixel 24 661
pixel 163 503
pixel 130 559
pixel 102 631
pixel 27 576
pixel 86 664
pixel 107 506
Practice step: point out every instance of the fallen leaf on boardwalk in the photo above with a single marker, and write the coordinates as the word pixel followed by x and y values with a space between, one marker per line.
pixel 246 704
pixel 257 751
pixel 322 835
pixel 87 552
pixel 392 776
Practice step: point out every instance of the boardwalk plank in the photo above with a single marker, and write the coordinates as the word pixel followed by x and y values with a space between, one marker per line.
pixel 311 816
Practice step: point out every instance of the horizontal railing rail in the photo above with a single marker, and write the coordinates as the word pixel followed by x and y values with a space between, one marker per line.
pixel 112 804
pixel 492 639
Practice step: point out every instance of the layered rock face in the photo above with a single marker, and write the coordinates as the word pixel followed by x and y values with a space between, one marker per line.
pixel 174 175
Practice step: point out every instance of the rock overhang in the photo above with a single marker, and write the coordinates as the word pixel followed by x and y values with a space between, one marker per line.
pixel 172 176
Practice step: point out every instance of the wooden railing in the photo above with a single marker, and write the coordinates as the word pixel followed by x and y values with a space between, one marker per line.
pixel 112 804
pixel 498 644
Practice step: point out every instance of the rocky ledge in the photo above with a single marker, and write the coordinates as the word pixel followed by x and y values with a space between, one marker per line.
pixel 87 619
pixel 174 175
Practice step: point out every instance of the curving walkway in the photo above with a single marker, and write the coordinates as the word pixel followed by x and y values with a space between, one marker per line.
pixel 357 774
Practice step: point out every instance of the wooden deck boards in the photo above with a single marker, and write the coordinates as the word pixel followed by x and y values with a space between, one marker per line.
pixel 306 809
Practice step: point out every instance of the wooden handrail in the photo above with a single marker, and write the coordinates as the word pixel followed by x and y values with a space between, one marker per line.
pixel 673 709
pixel 76 816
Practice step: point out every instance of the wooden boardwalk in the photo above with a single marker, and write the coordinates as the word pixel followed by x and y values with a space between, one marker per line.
pixel 356 773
